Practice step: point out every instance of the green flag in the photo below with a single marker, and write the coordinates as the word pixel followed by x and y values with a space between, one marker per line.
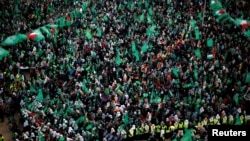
pixel 210 42
pixel 135 52
pixel 236 99
pixel 61 21
pixel 197 34
pixel 193 23
pixel 80 120
pixel 142 18
pixel 237 120
pixel 196 75
pixel 175 72
pixel 187 135
pixel 247 34
pixel 215 5
pixel 149 19
pixel 46 31
pixel 118 59
pixel 14 39
pixel 126 118
pixel 197 53
pixel 40 95
pixel 150 11
pixel 52 25
pixel 88 34
pixel 41 136
pixel 144 48
pixel 32 89
pixel 247 80
pixel 3 53
pixel 99 32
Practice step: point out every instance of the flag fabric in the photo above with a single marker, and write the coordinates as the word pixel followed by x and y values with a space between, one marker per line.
pixel 84 88
pixel 247 79
pixel 52 25
pixel 36 35
pixel 14 39
pixel 215 5
pixel 39 95
pixel 175 72
pixel 135 52
pixel 99 32
pixel 237 120
pixel 61 21
pixel 197 34
pixel 193 23
pixel 236 99
pixel 32 89
pixel 197 53
pixel 41 136
pixel 242 23
pixel 220 12
pixel 196 75
pixel 126 118
pixel 144 47
pixel 88 34
pixel 3 53
pixel 210 56
pixel 142 18
pixel 80 120
pixel 210 42
pixel 46 31
pixel 187 135
pixel 150 11
pixel 118 59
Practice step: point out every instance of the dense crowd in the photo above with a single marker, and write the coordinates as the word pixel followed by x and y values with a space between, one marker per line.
pixel 124 69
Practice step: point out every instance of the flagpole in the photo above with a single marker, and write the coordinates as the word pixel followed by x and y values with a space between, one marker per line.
pixel 204 11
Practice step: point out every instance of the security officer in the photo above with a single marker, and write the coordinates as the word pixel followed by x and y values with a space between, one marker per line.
pixel 242 119
pixel 131 132
pixel 211 121
pixel 217 120
pixel 124 134
pixel 168 132
pixel 163 130
pixel 146 131
pixel 186 124
pixel 157 130
pixel 224 120
pixel 204 122
pixel 152 129
pixel 231 120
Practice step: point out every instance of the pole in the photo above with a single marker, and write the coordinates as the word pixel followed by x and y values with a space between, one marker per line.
pixel 204 11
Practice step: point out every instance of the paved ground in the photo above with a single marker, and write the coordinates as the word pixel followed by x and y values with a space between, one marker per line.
pixel 4 130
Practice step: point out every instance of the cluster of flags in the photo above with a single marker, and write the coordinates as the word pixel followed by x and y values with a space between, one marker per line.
pixel 40 33
pixel 223 17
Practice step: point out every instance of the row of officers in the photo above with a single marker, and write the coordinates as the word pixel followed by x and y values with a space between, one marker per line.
pixel 145 131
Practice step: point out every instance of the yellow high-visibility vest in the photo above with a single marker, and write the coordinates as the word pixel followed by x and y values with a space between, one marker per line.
pixel 168 129
pixel 176 125
pixel 180 125
pixel 224 120
pixel 131 133
pixel 158 129
pixel 172 128
pixel 242 119
pixel 216 121
pixel 185 125
pixel 152 128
